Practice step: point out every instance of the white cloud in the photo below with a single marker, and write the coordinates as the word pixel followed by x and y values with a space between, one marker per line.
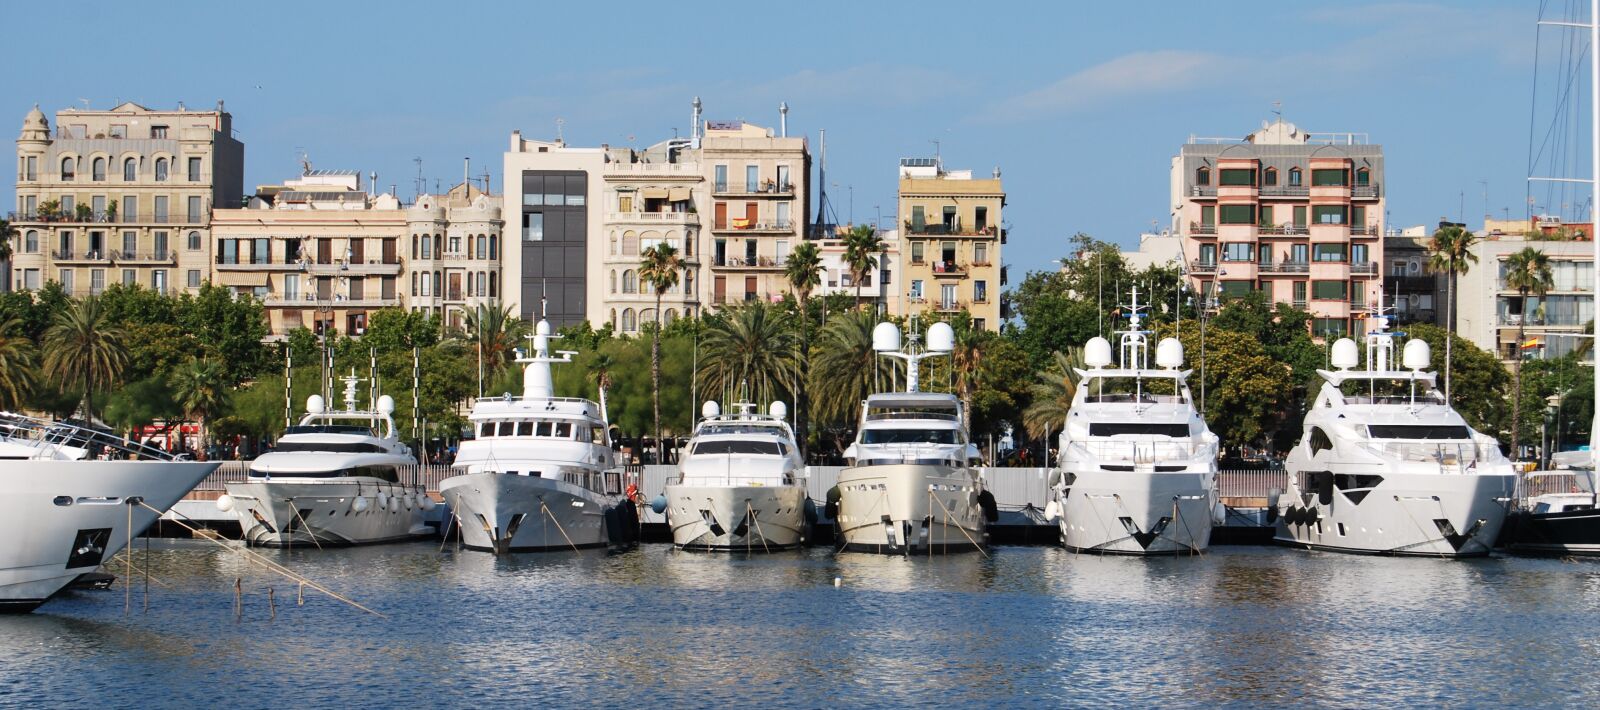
pixel 1126 76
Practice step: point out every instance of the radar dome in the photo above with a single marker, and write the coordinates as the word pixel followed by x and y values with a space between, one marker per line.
pixel 1169 353
pixel 886 338
pixel 542 328
pixel 941 337
pixel 386 405
pixel 1097 352
pixel 314 404
pixel 1417 355
pixel 710 409
pixel 1345 354
pixel 778 410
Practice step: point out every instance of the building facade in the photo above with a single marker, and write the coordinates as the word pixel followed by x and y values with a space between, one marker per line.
pixel 317 251
pixel 454 263
pixel 759 195
pixel 652 196
pixel 551 203
pixel 1490 313
pixel 880 287
pixel 952 231
pixel 1297 215
pixel 122 196
pixel 1410 287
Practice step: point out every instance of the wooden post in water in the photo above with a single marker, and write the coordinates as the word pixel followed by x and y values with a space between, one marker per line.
pixel 238 598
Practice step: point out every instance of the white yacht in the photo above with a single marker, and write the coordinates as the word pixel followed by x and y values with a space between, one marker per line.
pixel 1386 466
pixel 538 475
pixel 1138 467
pixel 912 485
pixel 741 484
pixel 67 497
pixel 337 478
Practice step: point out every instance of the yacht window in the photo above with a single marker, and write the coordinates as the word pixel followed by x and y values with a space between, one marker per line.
pixel 584 432
pixel 909 436
pixel 507 428
pixel 736 446
pixel 485 429
pixel 524 428
pixel 1118 428
pixel 1417 431
pixel 597 435
pixel 544 429
pixel 563 430
pixel 1319 440
pixel 342 447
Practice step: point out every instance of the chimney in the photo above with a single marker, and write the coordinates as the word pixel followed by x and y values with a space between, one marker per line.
pixel 783 119
pixel 694 133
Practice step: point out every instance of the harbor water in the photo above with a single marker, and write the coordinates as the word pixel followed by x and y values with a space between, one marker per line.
pixel 1024 626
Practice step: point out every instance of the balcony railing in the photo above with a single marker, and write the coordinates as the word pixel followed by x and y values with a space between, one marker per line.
pixel 734 225
pixel 745 262
pixel 1286 267
pixel 158 255
pixel 1201 266
pixel 654 169
pixel 951 306
pixel 1285 191
pixel 663 217
pixel 1364 268
pixel 1370 230
pixel 949 268
pixel 1282 229
pixel 952 230
pixel 85 255
pixel 1198 228
pixel 1364 191
pixel 1202 191
pixel 765 187
pixel 1299 303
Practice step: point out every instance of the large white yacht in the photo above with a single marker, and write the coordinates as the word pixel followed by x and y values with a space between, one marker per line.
pixel 68 494
pixel 337 478
pixel 912 485
pixel 1386 466
pixel 741 485
pixel 1138 467
pixel 538 475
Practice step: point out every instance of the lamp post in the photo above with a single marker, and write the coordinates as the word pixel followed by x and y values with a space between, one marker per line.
pixel 1551 410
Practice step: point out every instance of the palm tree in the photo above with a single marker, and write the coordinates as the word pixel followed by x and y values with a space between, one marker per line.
pixel 847 366
pixel 966 366
pixel 1450 252
pixel 804 272
pixel 659 266
pixel 752 345
pixel 600 371
pixel 1527 271
pixel 201 388
pixel 83 347
pixel 497 330
pixel 6 233
pixel 862 244
pixel 1051 393
pixel 18 359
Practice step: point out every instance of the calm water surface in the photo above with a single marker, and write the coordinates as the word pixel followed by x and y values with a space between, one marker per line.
pixel 1028 626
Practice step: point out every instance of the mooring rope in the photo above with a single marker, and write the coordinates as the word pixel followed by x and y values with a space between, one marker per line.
pixel 1177 511
pixel 752 513
pixel 552 517
pixel 963 530
pixel 303 523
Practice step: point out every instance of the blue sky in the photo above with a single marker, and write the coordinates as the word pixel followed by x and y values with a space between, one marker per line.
pixel 1081 105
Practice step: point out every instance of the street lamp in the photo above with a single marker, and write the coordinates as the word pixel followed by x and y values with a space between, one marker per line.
pixel 1551 410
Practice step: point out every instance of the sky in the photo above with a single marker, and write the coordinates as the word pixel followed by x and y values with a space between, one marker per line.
pixel 1080 105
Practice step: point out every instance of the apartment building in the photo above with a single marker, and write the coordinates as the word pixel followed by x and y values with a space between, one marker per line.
pixel 1413 291
pixel 880 287
pixel 652 196
pixel 318 251
pixel 758 207
pixel 952 233
pixel 1298 215
pixel 1490 313
pixel 453 265
pixel 122 196
pixel 550 198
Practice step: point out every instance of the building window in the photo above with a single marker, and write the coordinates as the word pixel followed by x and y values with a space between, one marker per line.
pixel 630 282
pixel 194 240
pixel 1330 290
pixel 1300 294
pixel 1328 252
pixel 1327 214
pixel 130 244
pixel 1238 251
pixel 194 209
pixel 69 170
pixel 32 172
pixel 1208 254
pixel 194 278
pixel 130 208
pixel 130 170
pixel 1237 214
pixel 1208 215
pixel 1266 215
pixel 947 297
pixel 1328 328
pixel 1238 177
pixel 533 227
pixel 1269 177
pixel 130 277
pixel 1202 176
pixel 194 170
pixel 916 288
pixel 161 169
pixel 161 208
pixel 1235 288
pixel 980 291
pixel 980 253
pixel 97 281
pixel 720 178
pixel 1363 177
pixel 158 131
pixel 613 280
pixel 98 172
pixel 66 281
pixel 30 242
pixel 628 325
pixel 494 247
pixel 1326 177
pixel 1300 216
pixel 752 175
pixel 916 252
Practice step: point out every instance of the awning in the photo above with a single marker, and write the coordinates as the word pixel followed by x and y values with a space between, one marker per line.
pixel 678 194
pixel 654 193
pixel 241 278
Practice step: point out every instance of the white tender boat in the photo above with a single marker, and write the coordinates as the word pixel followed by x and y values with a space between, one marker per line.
pixel 741 484
pixel 71 496
pixel 538 476
pixel 912 486
pixel 1386 466
pixel 337 478
pixel 1138 467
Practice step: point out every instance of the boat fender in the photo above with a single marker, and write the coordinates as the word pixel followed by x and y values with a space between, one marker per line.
pixel 1052 510
pixel 830 509
pixel 383 501
pixel 1055 478
pixel 1292 516
pixel 427 501
pixel 225 503
pixel 1312 515
pixel 659 504
pixel 991 509
pixel 1325 487
pixel 360 504
pixel 810 513
pixel 1272 515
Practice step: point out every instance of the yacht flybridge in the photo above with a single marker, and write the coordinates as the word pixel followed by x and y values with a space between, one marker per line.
pixel 1386 466
pixel 1138 467
pixel 336 478
pixel 538 476
pixel 912 485
pixel 68 495
pixel 741 485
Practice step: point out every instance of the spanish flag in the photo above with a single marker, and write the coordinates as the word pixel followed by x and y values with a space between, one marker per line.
pixel 1532 343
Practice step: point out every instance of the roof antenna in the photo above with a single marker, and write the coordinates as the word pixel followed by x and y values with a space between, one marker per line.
pixel 559 123
pixel 1277 110
pixel 421 183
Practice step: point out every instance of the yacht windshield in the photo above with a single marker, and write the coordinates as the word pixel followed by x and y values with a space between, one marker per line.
pixel 908 436
pixel 1116 428
pixel 329 429
pixel 1387 391
pixel 740 446
pixel 1418 431
pixel 1148 390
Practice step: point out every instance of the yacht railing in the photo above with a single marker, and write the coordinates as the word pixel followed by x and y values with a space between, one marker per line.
pixel 1443 454
pixel 515 398
pixel 1139 452
pixel 1129 397
pixel 937 416
pixel 98 443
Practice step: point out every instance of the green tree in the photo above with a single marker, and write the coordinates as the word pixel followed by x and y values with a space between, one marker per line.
pixel 847 369
pixel 754 345
pixel 83 348
pixel 495 331
pixel 228 327
pixel 1528 272
pixel 660 266
pixel 1052 391
pixel 1450 253
pixel 1247 391
pixel 200 387
pixel 396 329
pixel 18 360
pixel 862 245
pixel 7 233
pixel 1063 309
pixel 804 274
pixel 142 403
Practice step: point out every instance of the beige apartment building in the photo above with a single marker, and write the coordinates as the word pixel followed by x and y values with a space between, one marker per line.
pixel 122 196
pixel 880 287
pixel 1297 215
pixel 1489 313
pixel 454 258
pixel 952 233
pixel 318 251
pixel 758 210
pixel 652 196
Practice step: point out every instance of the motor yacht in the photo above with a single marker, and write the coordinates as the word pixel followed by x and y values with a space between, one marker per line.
pixel 741 484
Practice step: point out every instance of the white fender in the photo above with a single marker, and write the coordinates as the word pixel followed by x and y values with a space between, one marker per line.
pixel 383 501
pixel 427 502
pixel 359 505
pixel 225 503
pixel 1052 510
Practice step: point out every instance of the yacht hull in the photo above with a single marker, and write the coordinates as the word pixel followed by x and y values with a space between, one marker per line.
pixel 1570 532
pixel 908 509
pixel 504 512
pixel 313 513
pixel 736 518
pixel 45 544
pixel 1131 513
pixel 1422 514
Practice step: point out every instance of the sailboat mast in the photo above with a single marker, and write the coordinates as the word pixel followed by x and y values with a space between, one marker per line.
pixel 1594 199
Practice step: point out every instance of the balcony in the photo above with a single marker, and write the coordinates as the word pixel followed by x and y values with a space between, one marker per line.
pixel 1199 266
pixel 766 188
pixel 108 217
pixel 1282 230
pixel 159 256
pixel 1285 191
pixel 733 225
pixel 653 170
pixel 1202 229
pixel 665 218
pixel 951 306
pixel 1364 268
pixel 224 265
pixel 369 267
pixel 1202 191
pixel 1299 303
pixel 949 269
pixel 310 300
pixel 1364 192
pixel 88 255
pixel 1285 267
pixel 952 230
pixel 744 262
pixel 1370 230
